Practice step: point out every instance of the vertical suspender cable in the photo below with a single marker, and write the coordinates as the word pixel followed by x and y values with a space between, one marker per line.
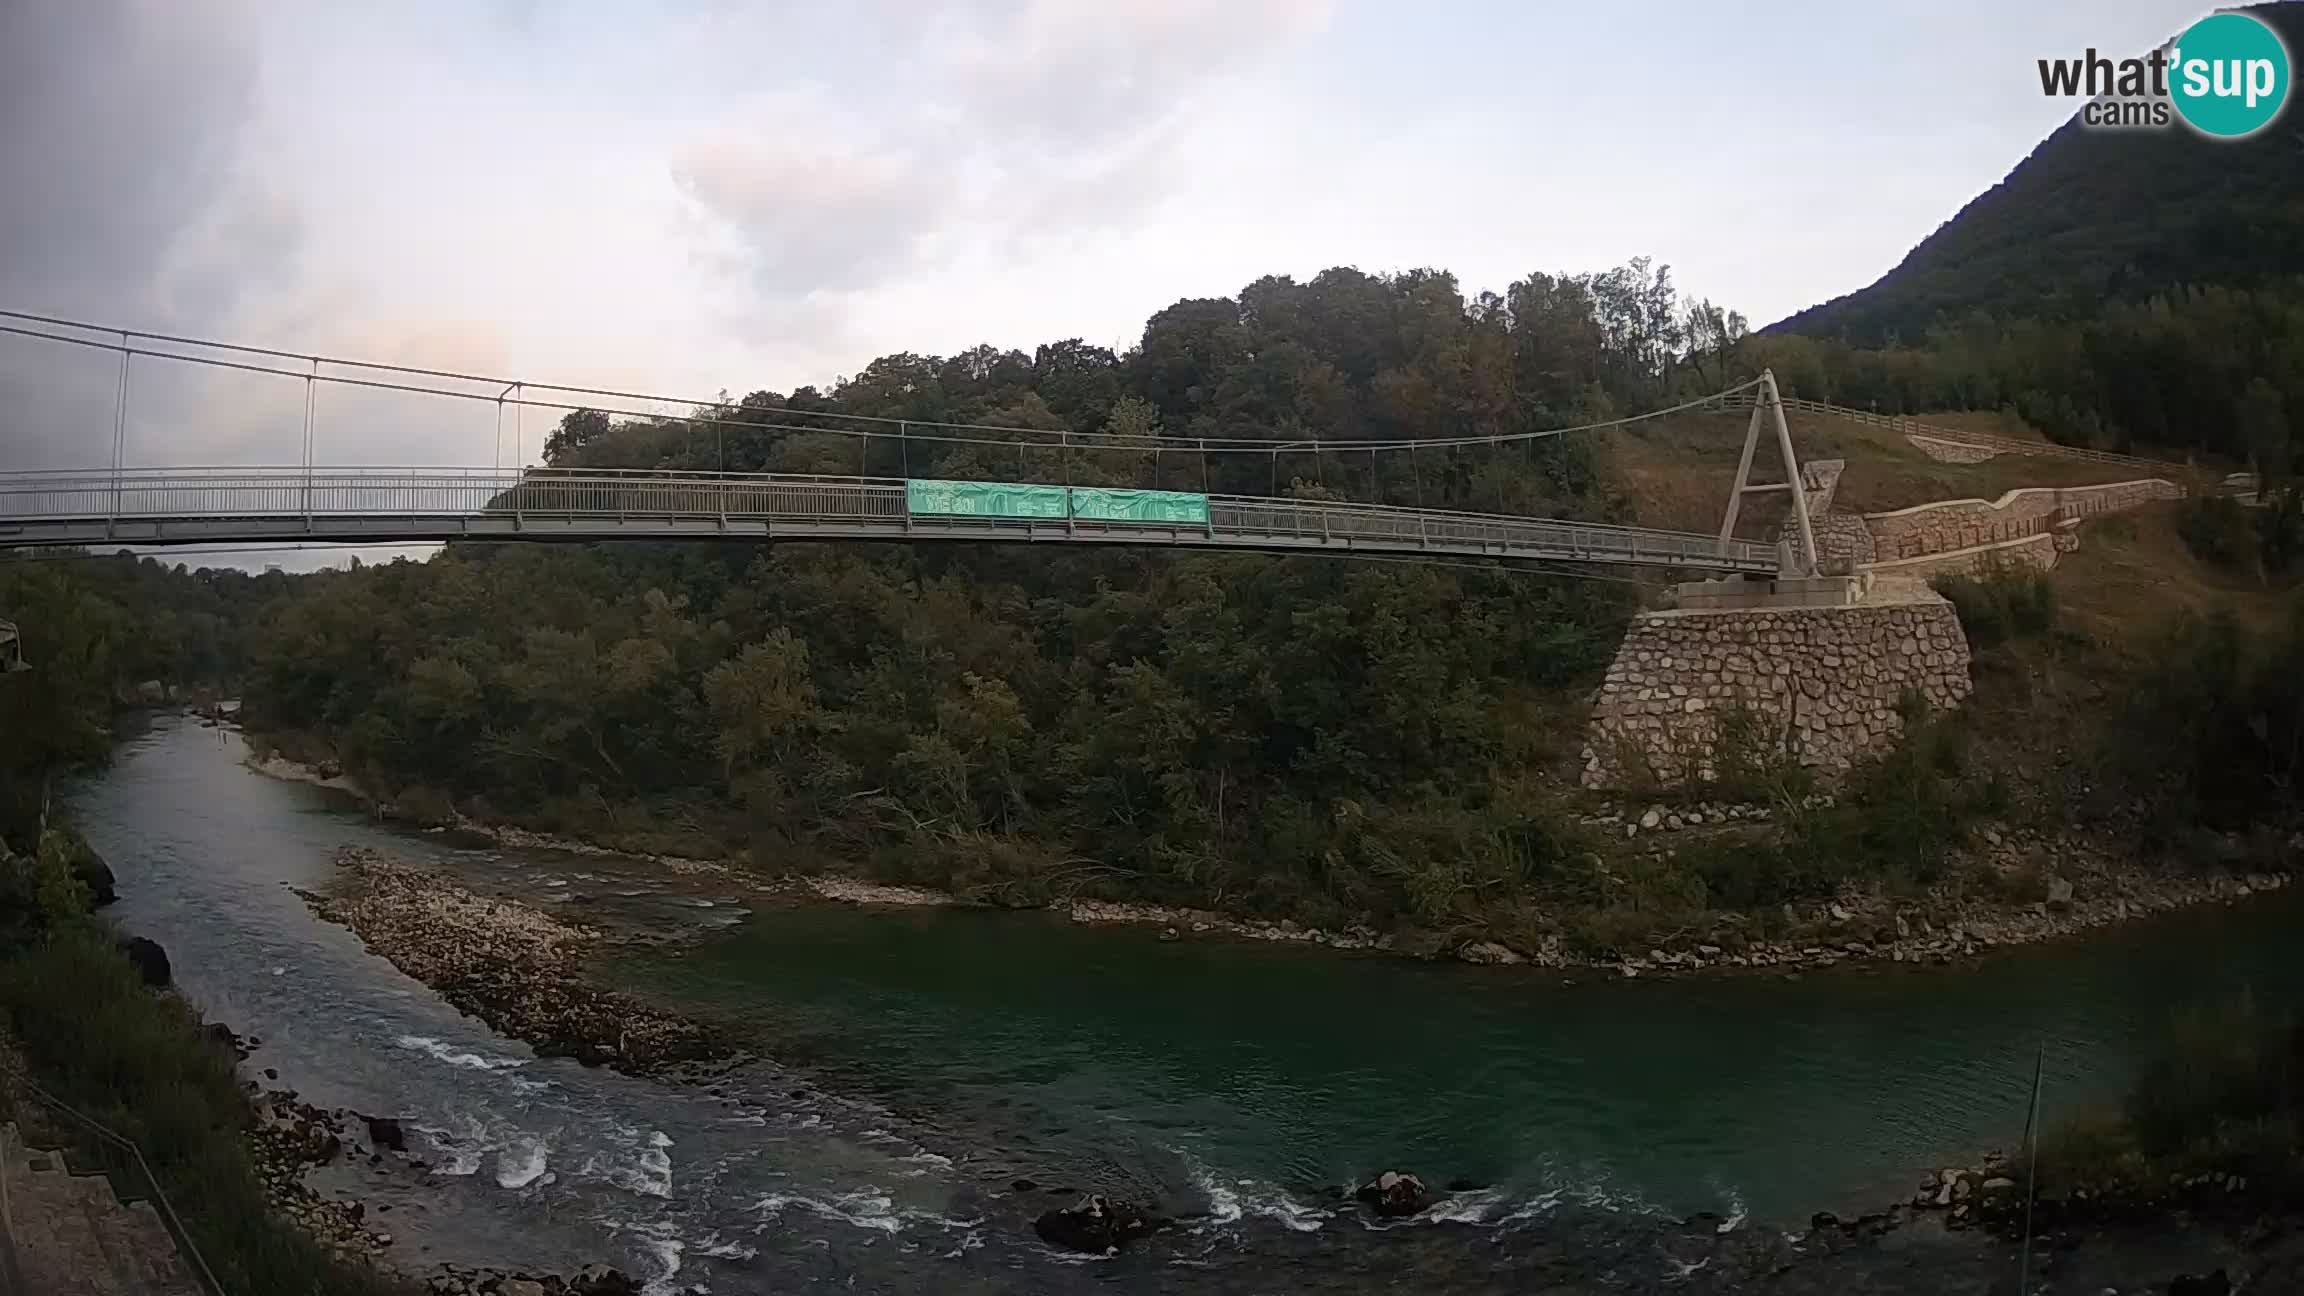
pixel 119 435
pixel 311 382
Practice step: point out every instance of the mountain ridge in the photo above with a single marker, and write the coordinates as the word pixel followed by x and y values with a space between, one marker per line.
pixel 2093 215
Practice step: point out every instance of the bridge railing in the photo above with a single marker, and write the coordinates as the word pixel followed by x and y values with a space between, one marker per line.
pixel 868 505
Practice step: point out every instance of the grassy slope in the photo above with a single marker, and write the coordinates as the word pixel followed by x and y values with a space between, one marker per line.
pixel 1676 472
pixel 140 1063
pixel 2132 575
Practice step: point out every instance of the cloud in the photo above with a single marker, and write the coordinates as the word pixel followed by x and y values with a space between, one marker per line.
pixel 119 124
pixel 1071 77
pixel 1002 128
pixel 816 205
pixel 118 119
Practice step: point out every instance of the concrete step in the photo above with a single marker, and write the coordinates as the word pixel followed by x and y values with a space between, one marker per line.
pixel 73 1237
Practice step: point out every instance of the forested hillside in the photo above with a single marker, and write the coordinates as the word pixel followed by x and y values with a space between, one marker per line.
pixel 2130 289
pixel 1322 737
pixel 93 629
pixel 2094 217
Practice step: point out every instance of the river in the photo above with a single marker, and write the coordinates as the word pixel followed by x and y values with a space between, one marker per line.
pixel 924 1059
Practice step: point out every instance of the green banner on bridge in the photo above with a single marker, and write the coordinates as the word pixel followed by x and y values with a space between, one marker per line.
pixel 984 499
pixel 1177 507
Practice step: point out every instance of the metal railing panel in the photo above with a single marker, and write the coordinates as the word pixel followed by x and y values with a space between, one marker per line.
pixel 425 497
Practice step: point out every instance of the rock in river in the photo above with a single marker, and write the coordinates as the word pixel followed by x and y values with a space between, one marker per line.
pixel 1394 1195
pixel 94 874
pixel 151 961
pixel 1098 1225
pixel 385 1132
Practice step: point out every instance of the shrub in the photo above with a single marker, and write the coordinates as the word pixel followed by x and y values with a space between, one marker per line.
pixel 2001 602
pixel 2217 530
pixel 2216 1095
pixel 138 1062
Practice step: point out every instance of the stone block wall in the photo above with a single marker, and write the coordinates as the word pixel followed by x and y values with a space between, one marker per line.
pixel 1840 537
pixel 1826 679
pixel 1966 524
pixel 1819 480
pixel 1955 452
pixel 2038 550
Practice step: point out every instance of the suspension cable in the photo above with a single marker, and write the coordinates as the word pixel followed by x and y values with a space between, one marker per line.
pixel 706 412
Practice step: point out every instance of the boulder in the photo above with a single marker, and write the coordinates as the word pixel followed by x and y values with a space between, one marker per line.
pixel 94 874
pixel 151 961
pixel 1097 1226
pixel 2059 892
pixel 385 1132
pixel 1394 1195
pixel 1488 952
pixel 600 1280
pixel 151 692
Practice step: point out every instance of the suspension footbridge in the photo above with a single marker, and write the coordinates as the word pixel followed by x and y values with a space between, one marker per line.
pixel 1064 489
pixel 400 506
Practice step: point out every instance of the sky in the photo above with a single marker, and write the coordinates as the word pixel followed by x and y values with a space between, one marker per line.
pixel 691 196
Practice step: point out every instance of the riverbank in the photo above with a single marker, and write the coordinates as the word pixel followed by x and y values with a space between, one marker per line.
pixel 519 970
pixel 1891 1249
pixel 2045 888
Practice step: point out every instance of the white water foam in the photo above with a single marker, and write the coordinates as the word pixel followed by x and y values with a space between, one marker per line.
pixel 1466 1207
pixel 667 1252
pixel 866 1209
pixel 456 1057
pixel 925 1163
pixel 1228 1203
pixel 648 1173
pixel 651 1173
pixel 1535 1207
pixel 457 1151
pixel 522 1162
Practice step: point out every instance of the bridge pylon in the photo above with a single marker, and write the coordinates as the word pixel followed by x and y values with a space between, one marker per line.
pixel 1769 406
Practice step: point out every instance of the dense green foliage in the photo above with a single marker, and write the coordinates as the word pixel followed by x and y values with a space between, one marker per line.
pixel 2001 603
pixel 1324 738
pixel 1246 731
pixel 2266 542
pixel 94 628
pixel 2217 1094
pixel 2217 725
pixel 2212 369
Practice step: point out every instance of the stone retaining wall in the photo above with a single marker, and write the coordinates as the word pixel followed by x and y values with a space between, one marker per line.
pixel 1955 452
pixel 1966 524
pixel 2039 550
pixel 1824 680
pixel 1841 538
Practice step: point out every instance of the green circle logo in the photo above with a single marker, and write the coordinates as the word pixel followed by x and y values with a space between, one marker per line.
pixel 2228 75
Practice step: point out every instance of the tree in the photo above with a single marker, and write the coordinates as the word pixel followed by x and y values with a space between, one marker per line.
pixel 1714 338
pixel 2264 430
pixel 578 429
pixel 760 701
